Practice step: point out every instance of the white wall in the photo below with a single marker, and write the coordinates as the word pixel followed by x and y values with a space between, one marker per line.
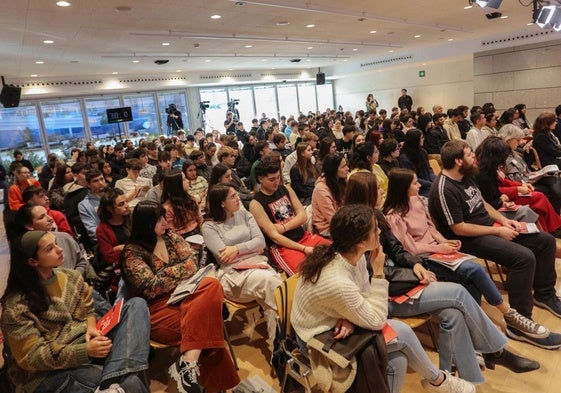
pixel 529 74
pixel 448 82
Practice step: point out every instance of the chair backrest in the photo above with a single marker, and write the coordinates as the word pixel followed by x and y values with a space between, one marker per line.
pixel 537 164
pixel 284 295
pixel 434 165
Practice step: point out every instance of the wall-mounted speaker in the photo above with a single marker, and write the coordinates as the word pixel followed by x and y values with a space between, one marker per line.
pixel 320 78
pixel 10 96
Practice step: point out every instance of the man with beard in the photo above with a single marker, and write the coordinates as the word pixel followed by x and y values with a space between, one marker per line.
pixel 460 212
pixel 88 207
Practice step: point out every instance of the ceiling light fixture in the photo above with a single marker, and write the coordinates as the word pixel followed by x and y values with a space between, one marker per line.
pixel 39 62
pixel 249 46
pixel 467 7
pixel 48 42
pixel 310 47
pixel 417 36
pixel 450 39
pixel 548 17
pixel 63 3
pixel 372 32
pixel 391 51
pixel 177 70
pixel 135 61
pixel 33 75
pixel 165 43
pixel 493 4
pixel 310 26
pixel 355 49
pixel 283 23
pixel 207 61
pixel 216 17
pixel 114 73
pixel 504 17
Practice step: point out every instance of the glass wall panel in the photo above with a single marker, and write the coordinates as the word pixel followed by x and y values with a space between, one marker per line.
pixel 307 97
pixel 177 98
pixel 325 97
pixel 216 113
pixel 144 122
pixel 288 100
pixel 266 101
pixel 102 132
pixel 64 125
pixel 245 106
pixel 19 129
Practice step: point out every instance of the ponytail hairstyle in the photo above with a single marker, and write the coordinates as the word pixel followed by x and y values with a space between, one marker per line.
pixel 349 226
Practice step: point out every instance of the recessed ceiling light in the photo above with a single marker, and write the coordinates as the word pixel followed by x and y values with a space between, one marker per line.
pixel 345 59
pixel 114 72
pixel 424 64
pixel 504 17
pixel 230 69
pixel 135 61
pixel 309 26
pixel 39 62
pixel 249 46
pixel 372 31
pixel 177 70
pixel 417 36
pixel 273 68
pixel 63 3
pixel 48 42
pixel 33 75
pixel 283 23
pixel 216 17
pixel 530 24
pixel 391 51
pixel 165 43
pixel 355 49
pixel 207 61
pixel 450 39
pixel 467 7
pixel 310 47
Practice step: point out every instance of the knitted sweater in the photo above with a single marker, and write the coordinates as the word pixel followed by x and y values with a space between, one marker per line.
pixel 54 339
pixel 343 291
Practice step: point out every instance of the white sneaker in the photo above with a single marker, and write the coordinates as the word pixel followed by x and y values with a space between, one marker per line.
pixel 113 388
pixel 451 384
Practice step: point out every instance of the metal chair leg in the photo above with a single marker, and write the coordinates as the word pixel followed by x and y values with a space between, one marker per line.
pixel 230 347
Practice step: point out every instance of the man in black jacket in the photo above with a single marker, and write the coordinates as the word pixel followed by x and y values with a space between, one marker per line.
pixel 405 101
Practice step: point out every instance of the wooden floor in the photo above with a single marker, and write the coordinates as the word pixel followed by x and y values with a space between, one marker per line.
pixel 247 332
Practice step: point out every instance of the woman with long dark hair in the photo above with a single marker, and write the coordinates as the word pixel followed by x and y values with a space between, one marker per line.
pixel 154 261
pixel 389 154
pixel 49 324
pixel 522 121
pixel 328 193
pixel 63 175
pixel 497 190
pixel 198 186
pixel 303 174
pixel 334 292
pixel 545 142
pixel 412 226
pixel 182 212
pixel 415 157
pixel 326 146
pixel 237 244
pixel 464 327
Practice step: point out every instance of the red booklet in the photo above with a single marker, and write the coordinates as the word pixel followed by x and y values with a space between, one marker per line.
pixel 111 319
pixel 406 296
pixel 389 333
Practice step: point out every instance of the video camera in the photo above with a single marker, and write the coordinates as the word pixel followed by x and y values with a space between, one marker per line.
pixel 171 109
pixel 204 105
pixel 232 109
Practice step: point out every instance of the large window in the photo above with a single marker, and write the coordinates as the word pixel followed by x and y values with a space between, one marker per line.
pixel 216 113
pixel 288 100
pixel 165 99
pixel 307 97
pixel 64 125
pixel 325 97
pixel 266 101
pixel 102 132
pixel 245 106
pixel 19 129
pixel 144 117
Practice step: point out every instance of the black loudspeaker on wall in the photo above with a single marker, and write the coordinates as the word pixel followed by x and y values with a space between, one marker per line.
pixel 10 96
pixel 320 78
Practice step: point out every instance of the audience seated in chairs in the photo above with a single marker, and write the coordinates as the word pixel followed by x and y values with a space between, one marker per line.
pixel 154 262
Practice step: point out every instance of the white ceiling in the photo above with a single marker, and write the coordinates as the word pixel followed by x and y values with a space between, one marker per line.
pixel 92 38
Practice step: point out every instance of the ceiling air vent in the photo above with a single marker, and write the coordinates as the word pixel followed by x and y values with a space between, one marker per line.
pixel 58 83
pixel 296 74
pixel 221 76
pixel 389 60
pixel 518 37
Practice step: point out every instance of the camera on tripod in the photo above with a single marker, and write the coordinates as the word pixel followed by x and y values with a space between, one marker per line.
pixel 232 109
pixel 171 109
pixel 204 105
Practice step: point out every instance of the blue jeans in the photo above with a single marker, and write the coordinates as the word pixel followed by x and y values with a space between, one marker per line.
pixel 464 327
pixel 473 277
pixel 129 355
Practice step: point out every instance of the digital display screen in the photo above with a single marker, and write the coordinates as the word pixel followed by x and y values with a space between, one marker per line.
pixel 119 115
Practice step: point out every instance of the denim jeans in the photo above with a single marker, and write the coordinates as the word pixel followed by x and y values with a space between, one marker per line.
pixel 464 327
pixel 473 277
pixel 129 355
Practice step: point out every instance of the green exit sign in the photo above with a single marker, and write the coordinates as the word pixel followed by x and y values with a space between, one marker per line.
pixel 422 74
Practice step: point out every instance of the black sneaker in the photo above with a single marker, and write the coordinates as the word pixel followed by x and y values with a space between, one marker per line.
pixel 553 341
pixel 553 305
pixel 185 374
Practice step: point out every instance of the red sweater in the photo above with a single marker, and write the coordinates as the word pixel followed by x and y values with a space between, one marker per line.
pixel 60 220
pixel 106 240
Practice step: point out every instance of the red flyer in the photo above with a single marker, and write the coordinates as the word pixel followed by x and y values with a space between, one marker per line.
pixel 111 319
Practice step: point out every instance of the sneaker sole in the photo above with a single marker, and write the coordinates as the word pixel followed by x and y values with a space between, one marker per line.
pixel 176 377
pixel 522 337
pixel 543 305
